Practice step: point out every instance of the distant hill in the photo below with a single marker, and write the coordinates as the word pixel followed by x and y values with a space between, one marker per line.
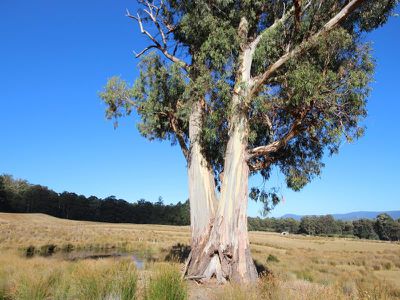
pixel 395 214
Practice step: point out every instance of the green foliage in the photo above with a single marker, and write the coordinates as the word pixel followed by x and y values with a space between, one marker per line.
pixel 324 225
pixel 325 91
pixel 269 199
pixel 4 206
pixel 373 14
pixel 273 224
pixel 272 258
pixel 328 83
pixel 270 49
pixel 157 95
pixel 382 226
pixel 308 225
pixel 364 229
pixel 117 97
pixel 318 97
pixel 386 228
pixel 167 284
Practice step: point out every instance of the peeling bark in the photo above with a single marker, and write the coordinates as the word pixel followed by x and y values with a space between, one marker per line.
pixel 226 253
pixel 202 196
pixel 230 228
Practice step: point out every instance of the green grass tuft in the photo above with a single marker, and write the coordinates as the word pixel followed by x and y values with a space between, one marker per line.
pixel 272 258
pixel 166 284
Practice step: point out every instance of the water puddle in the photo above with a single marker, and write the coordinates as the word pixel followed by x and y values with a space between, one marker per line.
pixel 137 259
pixel 70 254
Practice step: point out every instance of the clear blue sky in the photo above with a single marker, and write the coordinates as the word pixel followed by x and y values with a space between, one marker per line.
pixel 55 56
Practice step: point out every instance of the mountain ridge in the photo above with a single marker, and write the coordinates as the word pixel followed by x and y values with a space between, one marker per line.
pixel 355 215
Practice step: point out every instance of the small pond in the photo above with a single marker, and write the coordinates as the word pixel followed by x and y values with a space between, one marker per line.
pixel 53 252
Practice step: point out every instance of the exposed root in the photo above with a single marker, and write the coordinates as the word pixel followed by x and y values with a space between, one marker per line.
pixel 195 277
pixel 185 268
pixel 214 268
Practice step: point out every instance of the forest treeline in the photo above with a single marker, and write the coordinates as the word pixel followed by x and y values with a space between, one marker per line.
pixel 383 227
pixel 20 196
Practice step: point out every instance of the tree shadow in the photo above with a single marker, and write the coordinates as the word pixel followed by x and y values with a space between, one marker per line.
pixel 178 253
pixel 261 269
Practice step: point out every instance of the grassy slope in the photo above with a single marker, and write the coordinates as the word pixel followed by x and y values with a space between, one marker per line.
pixel 305 264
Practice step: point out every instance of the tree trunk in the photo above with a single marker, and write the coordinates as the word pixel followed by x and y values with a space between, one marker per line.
pixel 202 196
pixel 226 254
pixel 230 228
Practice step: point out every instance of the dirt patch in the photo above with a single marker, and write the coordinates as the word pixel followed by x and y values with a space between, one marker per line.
pixel 206 291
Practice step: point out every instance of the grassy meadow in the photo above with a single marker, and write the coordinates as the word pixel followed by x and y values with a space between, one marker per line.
pixel 43 257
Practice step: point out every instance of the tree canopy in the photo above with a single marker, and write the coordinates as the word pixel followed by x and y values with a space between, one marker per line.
pixel 297 110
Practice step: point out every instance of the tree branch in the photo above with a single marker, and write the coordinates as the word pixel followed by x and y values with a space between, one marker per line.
pixel 144 50
pixel 279 144
pixel 332 23
pixel 260 164
pixel 179 135
pixel 284 17
pixel 153 17
pixel 153 11
pixel 294 130
pixel 174 125
pixel 297 14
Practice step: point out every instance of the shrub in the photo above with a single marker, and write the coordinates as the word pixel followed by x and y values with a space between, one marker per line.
pixel 272 258
pixel 30 251
pixel 67 248
pixel 387 265
pixel 47 250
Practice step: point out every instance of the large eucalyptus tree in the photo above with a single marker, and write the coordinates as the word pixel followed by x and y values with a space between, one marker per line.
pixel 258 84
pixel 164 96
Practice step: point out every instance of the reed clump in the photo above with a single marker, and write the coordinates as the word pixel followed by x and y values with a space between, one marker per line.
pixel 166 284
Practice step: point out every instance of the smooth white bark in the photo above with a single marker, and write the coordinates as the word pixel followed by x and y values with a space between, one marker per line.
pixel 202 196
pixel 231 217
pixel 226 253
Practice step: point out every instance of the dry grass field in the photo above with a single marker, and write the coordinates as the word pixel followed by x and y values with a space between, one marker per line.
pixel 60 265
